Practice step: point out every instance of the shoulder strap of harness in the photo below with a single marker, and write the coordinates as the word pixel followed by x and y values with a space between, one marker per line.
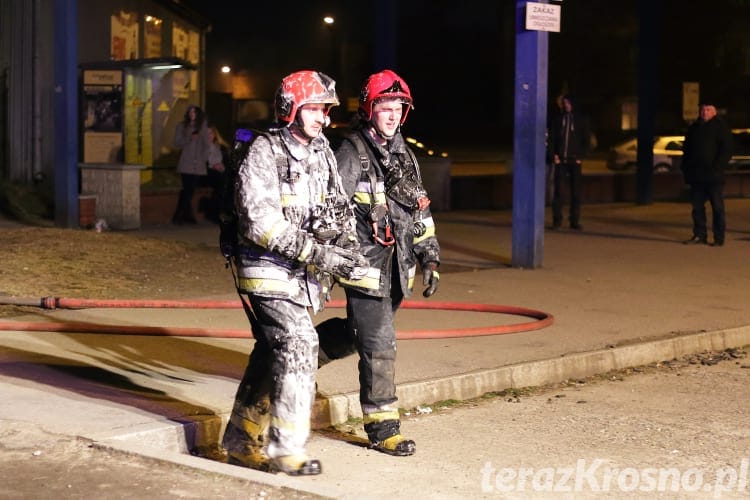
pixel 364 160
pixel 376 211
pixel 360 145
pixel 282 160
pixel 413 158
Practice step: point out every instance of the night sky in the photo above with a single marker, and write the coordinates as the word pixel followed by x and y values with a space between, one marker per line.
pixel 458 57
pixel 450 53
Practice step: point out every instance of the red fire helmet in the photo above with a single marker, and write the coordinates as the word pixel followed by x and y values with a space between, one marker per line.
pixel 304 87
pixel 382 85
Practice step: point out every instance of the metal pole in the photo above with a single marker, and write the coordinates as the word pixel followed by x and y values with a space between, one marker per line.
pixel 386 22
pixel 66 113
pixel 530 124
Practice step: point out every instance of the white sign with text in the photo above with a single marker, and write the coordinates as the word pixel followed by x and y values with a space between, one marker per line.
pixel 543 17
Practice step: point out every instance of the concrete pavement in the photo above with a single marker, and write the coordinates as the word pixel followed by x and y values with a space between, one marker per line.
pixel 624 291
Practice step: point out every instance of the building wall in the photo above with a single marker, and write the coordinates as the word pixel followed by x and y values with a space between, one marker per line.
pixel 26 74
pixel 27 62
pixel 130 33
pixel 96 24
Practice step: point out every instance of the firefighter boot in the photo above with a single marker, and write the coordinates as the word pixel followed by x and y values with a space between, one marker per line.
pixel 296 465
pixel 246 436
pixel 383 431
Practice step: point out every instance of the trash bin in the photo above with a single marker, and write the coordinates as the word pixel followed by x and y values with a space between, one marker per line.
pixel 87 210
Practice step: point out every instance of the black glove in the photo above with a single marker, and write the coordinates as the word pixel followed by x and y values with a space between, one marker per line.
pixel 430 277
pixel 339 261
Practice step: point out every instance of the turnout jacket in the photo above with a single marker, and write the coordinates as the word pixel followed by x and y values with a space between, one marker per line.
pixel 282 186
pixel 365 182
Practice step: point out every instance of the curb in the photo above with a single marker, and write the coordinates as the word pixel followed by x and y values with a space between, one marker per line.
pixel 337 409
pixel 171 441
pixel 280 481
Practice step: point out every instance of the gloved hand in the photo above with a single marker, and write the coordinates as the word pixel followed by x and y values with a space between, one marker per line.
pixel 430 278
pixel 340 262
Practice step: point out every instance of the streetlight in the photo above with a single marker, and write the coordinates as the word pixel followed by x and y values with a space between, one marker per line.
pixel 337 55
pixel 329 22
pixel 225 78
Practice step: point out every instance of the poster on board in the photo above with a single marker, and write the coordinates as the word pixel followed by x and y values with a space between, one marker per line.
pixel 102 116
pixel 124 36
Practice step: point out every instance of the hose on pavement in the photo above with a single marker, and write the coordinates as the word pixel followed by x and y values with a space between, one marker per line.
pixel 541 319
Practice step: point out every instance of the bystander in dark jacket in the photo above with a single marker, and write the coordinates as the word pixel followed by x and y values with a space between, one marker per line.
pixel 571 139
pixel 706 154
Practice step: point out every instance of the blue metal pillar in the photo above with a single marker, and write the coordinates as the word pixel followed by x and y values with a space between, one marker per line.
pixel 66 113
pixel 386 22
pixel 530 124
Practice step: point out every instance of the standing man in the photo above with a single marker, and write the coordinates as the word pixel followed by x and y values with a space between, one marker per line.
pixel 706 153
pixel 292 215
pixel 395 231
pixel 571 137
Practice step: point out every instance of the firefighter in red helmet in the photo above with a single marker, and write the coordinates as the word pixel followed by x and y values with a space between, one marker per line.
pixel 396 233
pixel 292 226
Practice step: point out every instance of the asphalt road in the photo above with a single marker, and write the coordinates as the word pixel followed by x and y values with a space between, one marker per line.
pixel 672 430
pixel 691 417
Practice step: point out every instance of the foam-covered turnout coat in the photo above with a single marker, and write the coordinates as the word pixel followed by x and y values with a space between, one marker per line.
pixel 280 187
pixel 370 176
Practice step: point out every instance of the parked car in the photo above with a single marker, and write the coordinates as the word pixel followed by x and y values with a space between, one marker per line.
pixel 667 154
pixel 740 149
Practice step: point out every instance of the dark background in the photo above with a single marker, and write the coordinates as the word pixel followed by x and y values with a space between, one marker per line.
pixel 458 57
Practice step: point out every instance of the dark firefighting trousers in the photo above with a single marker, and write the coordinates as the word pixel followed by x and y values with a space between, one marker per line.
pixel 369 329
pixel 283 365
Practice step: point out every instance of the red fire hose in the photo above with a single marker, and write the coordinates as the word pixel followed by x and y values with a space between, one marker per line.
pixel 542 319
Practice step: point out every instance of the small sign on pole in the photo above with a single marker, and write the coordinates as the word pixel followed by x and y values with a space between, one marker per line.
pixel 543 16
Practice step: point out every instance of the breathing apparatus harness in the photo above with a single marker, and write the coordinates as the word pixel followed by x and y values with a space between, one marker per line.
pixel 403 184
